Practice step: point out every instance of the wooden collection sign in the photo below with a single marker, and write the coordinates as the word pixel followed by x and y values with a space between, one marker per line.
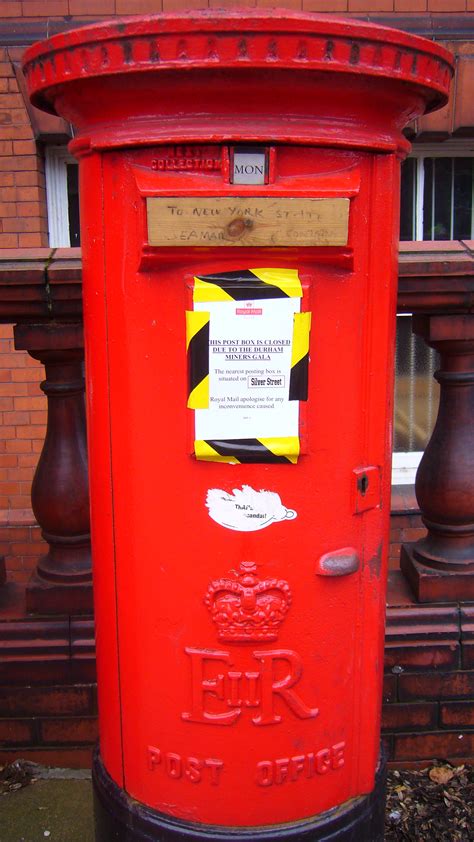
pixel 243 221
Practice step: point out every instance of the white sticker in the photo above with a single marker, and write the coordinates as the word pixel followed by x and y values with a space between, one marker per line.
pixel 246 510
pixel 249 370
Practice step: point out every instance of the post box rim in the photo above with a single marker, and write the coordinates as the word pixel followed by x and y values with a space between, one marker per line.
pixel 40 61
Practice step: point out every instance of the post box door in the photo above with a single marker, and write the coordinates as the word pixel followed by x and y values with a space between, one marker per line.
pixel 255 666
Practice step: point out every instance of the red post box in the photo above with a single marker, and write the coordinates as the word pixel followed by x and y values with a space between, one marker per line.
pixel 239 180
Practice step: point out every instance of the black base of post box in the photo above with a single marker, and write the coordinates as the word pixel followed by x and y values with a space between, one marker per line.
pixel 118 818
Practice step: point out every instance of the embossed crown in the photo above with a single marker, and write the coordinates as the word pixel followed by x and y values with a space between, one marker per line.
pixel 248 608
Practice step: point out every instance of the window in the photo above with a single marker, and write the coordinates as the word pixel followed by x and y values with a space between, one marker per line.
pixel 62 196
pixel 437 193
pixel 416 401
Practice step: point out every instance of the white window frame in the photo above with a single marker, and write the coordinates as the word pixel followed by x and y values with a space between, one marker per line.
pixel 457 148
pixel 57 159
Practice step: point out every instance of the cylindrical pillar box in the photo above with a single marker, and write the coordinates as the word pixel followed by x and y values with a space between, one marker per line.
pixel 239 178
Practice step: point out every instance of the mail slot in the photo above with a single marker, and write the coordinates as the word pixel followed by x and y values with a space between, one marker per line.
pixel 239 176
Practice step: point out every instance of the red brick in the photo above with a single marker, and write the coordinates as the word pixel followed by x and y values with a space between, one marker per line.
pixel 457 714
pixel 46 701
pixel 410 717
pixel 412 534
pixel 6 146
pixel 39 417
pixel 15 446
pixel 15 533
pixel 13 130
pixel 8 208
pixel 439 746
pixel 450 685
pixel 8 389
pixel 8 194
pixel 370 6
pixel 177 5
pixel 16 732
pixel 229 4
pixel 73 730
pixel 34 389
pixel 36 8
pixel 11 9
pixel 468 654
pixel 29 403
pixel 389 688
pixel 24 147
pixel 11 101
pixel 23 163
pixel 31 209
pixel 27 460
pixel 30 194
pixel 29 179
pixel 8 460
pixel 415 656
pixel 92 7
pixel 12 360
pixel 410 5
pixel 8 241
pixel 320 5
pixel 31 240
pixel 29 374
pixel 21 501
pixel 30 225
pixel 31 431
pixel 7 179
pixel 15 417
pixel 446 5
pixel 27 548
pixel 137 7
pixel 6 403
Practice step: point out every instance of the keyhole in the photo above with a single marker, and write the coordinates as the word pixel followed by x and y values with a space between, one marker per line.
pixel 363 484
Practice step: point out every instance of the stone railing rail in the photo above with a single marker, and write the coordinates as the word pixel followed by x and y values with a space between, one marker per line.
pixel 41 294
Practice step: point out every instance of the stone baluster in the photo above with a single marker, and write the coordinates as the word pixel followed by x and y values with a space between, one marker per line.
pixel 61 583
pixel 440 567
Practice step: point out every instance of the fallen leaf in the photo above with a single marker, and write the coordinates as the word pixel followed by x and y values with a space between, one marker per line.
pixel 441 774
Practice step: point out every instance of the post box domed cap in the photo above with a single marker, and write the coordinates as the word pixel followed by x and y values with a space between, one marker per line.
pixel 283 49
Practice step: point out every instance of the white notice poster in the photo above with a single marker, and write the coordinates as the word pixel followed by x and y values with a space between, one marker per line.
pixel 250 348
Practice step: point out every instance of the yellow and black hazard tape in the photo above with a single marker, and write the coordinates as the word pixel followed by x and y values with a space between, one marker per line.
pixel 300 357
pixel 281 451
pixel 249 284
pixel 197 346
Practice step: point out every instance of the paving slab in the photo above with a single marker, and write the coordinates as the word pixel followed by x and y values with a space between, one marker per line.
pixel 48 811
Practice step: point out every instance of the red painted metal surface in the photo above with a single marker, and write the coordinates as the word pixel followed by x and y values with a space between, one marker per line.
pixel 237 687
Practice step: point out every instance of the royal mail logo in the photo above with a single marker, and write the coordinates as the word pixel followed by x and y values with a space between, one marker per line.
pixel 222 691
pixel 247 607
pixel 248 311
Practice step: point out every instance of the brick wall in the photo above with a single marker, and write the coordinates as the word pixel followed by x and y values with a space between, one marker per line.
pixel 94 9
pixel 22 188
pixel 428 715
